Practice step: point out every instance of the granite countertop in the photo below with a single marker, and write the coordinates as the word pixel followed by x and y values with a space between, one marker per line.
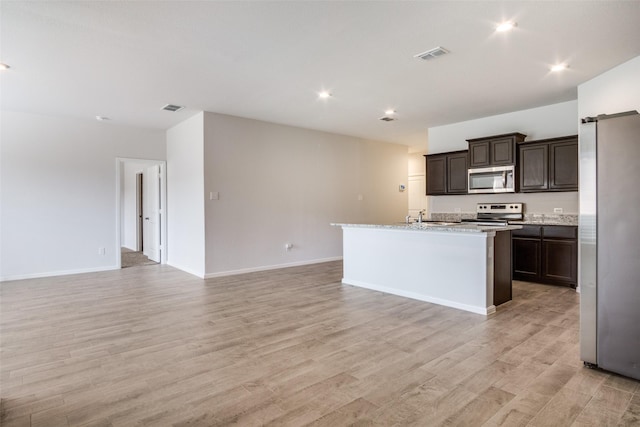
pixel 544 222
pixel 427 226
pixel 549 219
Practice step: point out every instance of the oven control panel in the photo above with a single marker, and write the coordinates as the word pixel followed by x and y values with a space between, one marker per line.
pixel 499 208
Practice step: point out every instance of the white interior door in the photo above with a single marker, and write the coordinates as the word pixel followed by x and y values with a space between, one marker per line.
pixel 152 202
pixel 417 194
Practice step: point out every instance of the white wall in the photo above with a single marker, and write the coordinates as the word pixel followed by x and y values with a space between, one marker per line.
pixel 185 196
pixel 417 164
pixel 537 123
pixel 612 92
pixel 280 184
pixel 128 223
pixel 58 191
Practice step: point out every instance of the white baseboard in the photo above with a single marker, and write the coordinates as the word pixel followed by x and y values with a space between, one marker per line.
pixel 179 267
pixel 57 273
pixel 186 270
pixel 447 303
pixel 270 267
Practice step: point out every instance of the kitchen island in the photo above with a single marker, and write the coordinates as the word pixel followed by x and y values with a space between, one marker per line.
pixel 464 266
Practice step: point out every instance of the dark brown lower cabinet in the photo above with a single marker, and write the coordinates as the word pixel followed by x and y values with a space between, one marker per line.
pixel 502 268
pixel 560 261
pixel 526 258
pixel 546 254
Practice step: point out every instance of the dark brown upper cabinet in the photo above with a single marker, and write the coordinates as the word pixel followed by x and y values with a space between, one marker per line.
pixel 497 150
pixel 563 165
pixel 436 174
pixel 457 172
pixel 447 173
pixel 549 164
pixel 534 167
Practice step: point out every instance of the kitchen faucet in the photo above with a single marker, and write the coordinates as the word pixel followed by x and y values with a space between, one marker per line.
pixel 420 215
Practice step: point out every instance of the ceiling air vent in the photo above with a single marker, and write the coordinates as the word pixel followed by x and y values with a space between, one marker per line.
pixel 387 119
pixel 432 53
pixel 171 107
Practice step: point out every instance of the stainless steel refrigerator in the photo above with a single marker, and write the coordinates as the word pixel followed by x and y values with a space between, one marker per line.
pixel 609 238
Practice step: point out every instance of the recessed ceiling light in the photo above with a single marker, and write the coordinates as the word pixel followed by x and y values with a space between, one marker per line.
pixel 4 66
pixel 102 118
pixel 324 94
pixel 390 112
pixel 506 26
pixel 559 67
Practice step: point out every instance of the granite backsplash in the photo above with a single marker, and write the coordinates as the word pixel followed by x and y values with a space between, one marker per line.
pixel 529 218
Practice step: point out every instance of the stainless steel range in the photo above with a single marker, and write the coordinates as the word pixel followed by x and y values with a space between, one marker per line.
pixel 497 213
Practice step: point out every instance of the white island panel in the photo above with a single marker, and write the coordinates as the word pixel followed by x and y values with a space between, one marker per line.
pixel 454 269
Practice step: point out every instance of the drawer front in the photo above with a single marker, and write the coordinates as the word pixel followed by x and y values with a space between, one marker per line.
pixel 560 232
pixel 528 231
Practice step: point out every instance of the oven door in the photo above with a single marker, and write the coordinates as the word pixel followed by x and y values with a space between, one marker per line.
pixel 492 180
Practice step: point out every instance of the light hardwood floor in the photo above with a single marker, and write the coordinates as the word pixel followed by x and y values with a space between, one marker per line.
pixel 155 346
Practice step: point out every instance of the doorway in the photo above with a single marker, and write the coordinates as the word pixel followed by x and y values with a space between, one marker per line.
pixel 139 211
pixel 141 222
pixel 417 200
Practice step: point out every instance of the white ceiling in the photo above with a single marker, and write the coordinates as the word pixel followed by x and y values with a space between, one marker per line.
pixel 267 60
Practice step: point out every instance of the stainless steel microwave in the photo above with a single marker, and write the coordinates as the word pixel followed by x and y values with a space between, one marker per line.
pixel 499 179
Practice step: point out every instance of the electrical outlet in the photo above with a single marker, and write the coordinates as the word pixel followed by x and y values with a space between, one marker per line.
pixel 360 197
pixel 557 210
pixel 288 246
pixel 456 210
pixel 101 251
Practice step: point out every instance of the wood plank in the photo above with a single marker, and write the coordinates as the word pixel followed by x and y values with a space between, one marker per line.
pixel 155 346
